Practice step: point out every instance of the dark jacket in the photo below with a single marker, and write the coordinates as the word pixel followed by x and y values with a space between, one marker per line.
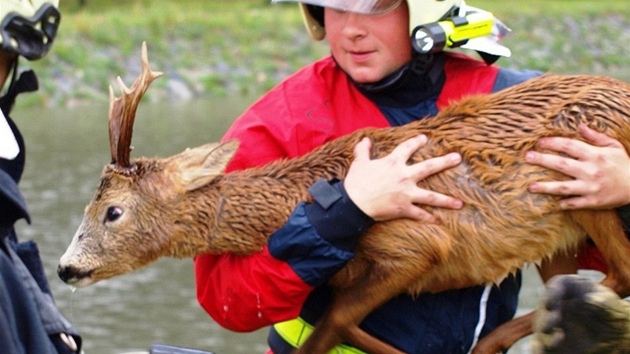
pixel 30 323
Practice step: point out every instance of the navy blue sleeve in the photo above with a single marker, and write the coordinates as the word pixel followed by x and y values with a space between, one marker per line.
pixel 319 237
pixel 510 77
pixel 336 218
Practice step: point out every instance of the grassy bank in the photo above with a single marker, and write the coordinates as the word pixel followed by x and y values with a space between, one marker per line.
pixel 246 46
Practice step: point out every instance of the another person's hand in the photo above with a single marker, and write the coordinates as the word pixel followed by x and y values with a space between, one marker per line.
pixel 600 170
pixel 387 188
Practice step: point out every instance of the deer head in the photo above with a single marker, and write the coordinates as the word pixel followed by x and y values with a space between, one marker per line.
pixel 132 218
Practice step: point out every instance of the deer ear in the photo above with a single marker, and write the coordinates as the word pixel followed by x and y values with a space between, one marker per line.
pixel 200 165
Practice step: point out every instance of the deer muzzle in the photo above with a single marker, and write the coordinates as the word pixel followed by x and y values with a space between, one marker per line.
pixel 73 275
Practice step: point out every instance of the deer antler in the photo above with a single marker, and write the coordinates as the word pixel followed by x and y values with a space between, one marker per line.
pixel 122 113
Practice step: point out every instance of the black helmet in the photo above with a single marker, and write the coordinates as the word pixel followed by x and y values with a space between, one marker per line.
pixel 28 27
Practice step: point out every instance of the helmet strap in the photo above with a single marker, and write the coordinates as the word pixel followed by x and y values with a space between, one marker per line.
pixel 26 82
pixel 416 67
pixel 7 101
pixel 416 81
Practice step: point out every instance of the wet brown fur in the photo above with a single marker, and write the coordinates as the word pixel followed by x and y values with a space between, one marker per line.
pixel 500 228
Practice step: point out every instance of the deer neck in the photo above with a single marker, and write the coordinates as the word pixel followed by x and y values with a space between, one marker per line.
pixel 239 211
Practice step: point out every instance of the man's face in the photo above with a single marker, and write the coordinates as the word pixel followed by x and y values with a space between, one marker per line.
pixel 369 47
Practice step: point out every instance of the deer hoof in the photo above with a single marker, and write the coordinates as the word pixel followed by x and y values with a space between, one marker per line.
pixel 581 316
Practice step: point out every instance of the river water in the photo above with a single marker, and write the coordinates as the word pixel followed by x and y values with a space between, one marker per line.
pixel 66 151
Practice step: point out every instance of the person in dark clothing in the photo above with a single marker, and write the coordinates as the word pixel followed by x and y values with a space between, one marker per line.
pixel 30 323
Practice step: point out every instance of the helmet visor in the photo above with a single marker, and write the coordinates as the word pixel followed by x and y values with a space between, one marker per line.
pixel 365 7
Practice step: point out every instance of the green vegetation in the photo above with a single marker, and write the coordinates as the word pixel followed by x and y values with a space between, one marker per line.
pixel 247 46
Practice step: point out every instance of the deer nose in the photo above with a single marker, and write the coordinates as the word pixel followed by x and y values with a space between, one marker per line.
pixel 70 274
pixel 65 273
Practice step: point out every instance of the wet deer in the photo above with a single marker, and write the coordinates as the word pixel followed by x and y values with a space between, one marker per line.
pixel 185 205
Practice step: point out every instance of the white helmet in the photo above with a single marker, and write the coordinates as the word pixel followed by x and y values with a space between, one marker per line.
pixel 28 27
pixel 421 12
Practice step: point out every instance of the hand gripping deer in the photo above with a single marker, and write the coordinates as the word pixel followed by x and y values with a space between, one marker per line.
pixel 184 205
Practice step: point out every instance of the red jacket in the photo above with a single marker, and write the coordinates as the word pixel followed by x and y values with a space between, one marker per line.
pixel 247 293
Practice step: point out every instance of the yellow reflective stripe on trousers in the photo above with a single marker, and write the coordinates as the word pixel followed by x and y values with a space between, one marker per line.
pixel 295 332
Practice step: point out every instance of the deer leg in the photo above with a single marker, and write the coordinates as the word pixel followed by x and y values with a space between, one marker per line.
pixel 504 336
pixel 324 338
pixel 352 304
pixel 580 316
pixel 560 263
pixel 320 341
pixel 605 229
pixel 341 323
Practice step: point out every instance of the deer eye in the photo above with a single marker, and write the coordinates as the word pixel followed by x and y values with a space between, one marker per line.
pixel 113 213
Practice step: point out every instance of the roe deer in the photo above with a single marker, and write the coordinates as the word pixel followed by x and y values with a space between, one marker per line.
pixel 185 205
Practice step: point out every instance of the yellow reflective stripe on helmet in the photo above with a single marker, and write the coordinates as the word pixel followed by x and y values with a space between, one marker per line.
pixel 296 331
